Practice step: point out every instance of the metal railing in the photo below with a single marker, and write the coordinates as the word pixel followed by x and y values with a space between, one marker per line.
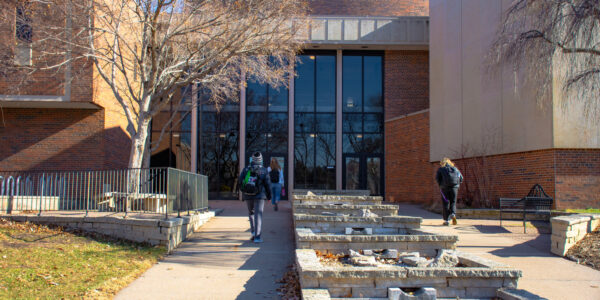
pixel 154 190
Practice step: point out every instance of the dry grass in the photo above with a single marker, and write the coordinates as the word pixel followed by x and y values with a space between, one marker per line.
pixel 42 262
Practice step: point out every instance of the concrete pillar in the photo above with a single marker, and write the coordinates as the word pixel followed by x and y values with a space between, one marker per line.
pixel 194 142
pixel 290 179
pixel 242 140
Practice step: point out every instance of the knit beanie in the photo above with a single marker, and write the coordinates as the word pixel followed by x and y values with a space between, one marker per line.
pixel 257 158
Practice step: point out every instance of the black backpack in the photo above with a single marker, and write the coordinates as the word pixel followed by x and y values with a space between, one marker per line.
pixel 450 176
pixel 250 185
pixel 274 175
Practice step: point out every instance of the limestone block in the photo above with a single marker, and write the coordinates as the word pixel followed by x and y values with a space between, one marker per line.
pixel 481 292
pixel 364 261
pixel 448 292
pixel 510 283
pixel 476 282
pixel 409 282
pixel 416 261
pixel 340 292
pixel 315 294
pixel 308 282
pixel 515 294
pixel 347 282
pixel 425 293
pixel 369 292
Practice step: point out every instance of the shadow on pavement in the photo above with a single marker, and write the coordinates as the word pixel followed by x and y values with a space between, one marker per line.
pixel 538 247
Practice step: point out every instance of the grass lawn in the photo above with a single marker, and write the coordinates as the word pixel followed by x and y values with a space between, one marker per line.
pixel 586 211
pixel 41 262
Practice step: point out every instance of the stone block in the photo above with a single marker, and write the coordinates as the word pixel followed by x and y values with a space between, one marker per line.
pixel 425 293
pixel 510 283
pixel 340 292
pixel 369 292
pixel 449 292
pixel 315 294
pixel 416 261
pixel 347 282
pixel 308 282
pixel 410 282
pixel 476 282
pixel 481 292
pixel 515 294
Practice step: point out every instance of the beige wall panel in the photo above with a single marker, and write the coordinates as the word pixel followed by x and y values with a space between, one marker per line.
pixel 493 116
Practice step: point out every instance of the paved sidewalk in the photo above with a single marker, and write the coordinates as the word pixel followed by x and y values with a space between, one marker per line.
pixel 544 273
pixel 219 261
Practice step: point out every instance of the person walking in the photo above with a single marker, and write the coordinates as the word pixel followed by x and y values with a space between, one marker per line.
pixel 449 178
pixel 255 187
pixel 276 176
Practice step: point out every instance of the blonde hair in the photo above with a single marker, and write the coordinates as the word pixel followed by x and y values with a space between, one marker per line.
pixel 446 162
pixel 275 164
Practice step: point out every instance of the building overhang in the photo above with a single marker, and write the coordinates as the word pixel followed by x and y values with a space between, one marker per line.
pixel 43 101
pixel 371 33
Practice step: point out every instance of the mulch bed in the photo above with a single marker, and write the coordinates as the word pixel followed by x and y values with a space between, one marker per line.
pixel 290 285
pixel 587 251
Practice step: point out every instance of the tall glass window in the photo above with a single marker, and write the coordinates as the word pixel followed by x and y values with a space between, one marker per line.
pixel 219 147
pixel 362 121
pixel 314 140
pixel 171 135
pixel 266 119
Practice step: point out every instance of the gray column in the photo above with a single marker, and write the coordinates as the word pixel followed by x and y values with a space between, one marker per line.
pixel 338 122
pixel 290 180
pixel 242 140
pixel 194 142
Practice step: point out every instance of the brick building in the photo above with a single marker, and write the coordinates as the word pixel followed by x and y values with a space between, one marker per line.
pixel 384 89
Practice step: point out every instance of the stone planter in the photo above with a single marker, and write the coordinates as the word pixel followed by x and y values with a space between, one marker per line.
pixel 409 240
pixel 320 209
pixel 338 224
pixel 337 199
pixel 480 278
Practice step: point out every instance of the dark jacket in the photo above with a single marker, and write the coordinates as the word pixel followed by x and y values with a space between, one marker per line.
pixel 439 177
pixel 264 183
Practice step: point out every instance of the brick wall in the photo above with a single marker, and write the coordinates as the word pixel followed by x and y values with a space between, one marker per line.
pixel 409 175
pixel 406 82
pixel 51 139
pixel 370 7
pixel 577 178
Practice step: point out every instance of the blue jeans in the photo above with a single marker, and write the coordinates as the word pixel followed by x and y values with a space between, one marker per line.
pixel 275 193
pixel 255 212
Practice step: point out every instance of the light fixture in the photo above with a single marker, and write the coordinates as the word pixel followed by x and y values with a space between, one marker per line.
pixel 313 135
pixel 222 135
pixel 359 136
pixel 312 57
pixel 175 135
pixel 350 102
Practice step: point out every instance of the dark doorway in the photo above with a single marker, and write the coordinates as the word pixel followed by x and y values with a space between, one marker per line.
pixel 363 172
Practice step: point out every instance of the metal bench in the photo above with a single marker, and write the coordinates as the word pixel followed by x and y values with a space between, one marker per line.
pixel 536 202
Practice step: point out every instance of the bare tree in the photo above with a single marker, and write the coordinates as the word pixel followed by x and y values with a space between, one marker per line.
pixel 550 37
pixel 148 51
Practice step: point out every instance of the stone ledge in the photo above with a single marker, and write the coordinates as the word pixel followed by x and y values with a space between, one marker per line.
pixel 515 294
pixel 568 230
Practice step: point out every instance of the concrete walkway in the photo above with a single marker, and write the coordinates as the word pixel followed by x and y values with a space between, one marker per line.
pixel 544 273
pixel 219 261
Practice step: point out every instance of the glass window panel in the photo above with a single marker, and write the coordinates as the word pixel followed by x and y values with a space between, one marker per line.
pixel 277 142
pixel 256 142
pixel 229 122
pixel 325 83
pixel 182 150
pixel 209 149
pixel 304 151
pixel 228 165
pixel 162 155
pixel 373 84
pixel 373 143
pixel 278 99
pixel 374 175
pixel 304 122
pixel 352 84
pixel 352 123
pixel 182 121
pixel 373 123
pixel 278 122
pixel 256 96
pixel 352 143
pixel 325 150
pixel 325 123
pixel 208 122
pixel 304 85
pixel 256 122
pixel 352 173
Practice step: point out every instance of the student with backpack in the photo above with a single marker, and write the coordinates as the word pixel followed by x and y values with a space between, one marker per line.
pixel 449 179
pixel 276 176
pixel 255 187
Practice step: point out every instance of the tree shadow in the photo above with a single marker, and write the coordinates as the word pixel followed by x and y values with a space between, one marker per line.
pixel 537 247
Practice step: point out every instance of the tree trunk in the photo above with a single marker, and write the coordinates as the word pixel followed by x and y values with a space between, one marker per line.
pixel 138 145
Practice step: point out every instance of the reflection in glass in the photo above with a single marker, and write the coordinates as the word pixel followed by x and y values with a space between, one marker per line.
pixel 374 175
pixel 256 96
pixel 325 77
pixel 373 87
pixel 325 123
pixel 278 122
pixel 182 150
pixel 352 173
pixel 278 99
pixel 352 123
pixel 352 83
pixel 304 153
pixel 373 143
pixel 304 122
pixel 304 85
pixel 373 122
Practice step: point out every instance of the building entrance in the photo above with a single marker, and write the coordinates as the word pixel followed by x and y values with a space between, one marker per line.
pixel 363 172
